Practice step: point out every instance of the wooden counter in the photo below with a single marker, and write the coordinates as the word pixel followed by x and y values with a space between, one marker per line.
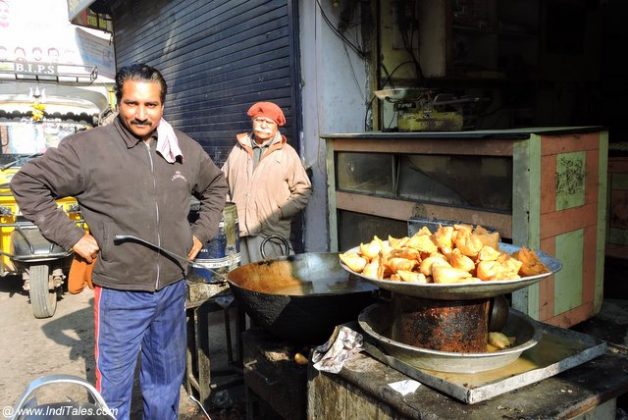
pixel 545 188
pixel 361 391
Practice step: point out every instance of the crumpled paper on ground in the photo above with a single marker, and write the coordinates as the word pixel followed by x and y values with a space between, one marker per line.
pixel 331 356
pixel 405 387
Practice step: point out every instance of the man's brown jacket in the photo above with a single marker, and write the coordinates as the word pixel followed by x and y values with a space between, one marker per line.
pixel 124 187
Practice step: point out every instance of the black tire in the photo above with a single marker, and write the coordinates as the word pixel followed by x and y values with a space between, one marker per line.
pixel 43 299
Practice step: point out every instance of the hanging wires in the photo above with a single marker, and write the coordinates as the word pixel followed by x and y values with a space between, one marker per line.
pixel 356 48
pixel 408 25
pixel 388 80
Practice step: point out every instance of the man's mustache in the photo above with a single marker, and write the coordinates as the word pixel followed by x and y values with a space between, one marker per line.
pixel 141 123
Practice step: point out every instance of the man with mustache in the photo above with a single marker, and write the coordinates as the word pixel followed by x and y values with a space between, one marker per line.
pixel 133 176
pixel 267 182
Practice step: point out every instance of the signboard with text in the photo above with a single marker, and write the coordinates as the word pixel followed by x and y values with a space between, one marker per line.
pixel 35 69
pixel 39 32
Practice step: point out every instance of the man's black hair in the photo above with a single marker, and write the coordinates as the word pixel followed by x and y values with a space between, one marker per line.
pixel 142 72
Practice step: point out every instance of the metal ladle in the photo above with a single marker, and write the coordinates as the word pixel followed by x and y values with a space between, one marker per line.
pixel 122 238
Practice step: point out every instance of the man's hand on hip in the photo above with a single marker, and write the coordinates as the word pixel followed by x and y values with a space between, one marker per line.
pixel 196 247
pixel 86 247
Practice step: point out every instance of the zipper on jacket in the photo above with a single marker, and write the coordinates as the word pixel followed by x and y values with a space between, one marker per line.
pixel 152 171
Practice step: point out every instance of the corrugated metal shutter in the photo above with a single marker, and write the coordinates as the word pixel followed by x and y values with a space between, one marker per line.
pixel 218 57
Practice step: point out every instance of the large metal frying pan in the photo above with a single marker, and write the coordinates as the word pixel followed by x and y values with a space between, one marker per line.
pixel 300 298
pixel 464 291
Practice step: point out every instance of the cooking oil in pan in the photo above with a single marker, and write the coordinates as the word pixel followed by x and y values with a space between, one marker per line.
pixel 333 286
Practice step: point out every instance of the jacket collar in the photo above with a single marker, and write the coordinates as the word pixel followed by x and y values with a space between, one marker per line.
pixel 127 136
pixel 245 139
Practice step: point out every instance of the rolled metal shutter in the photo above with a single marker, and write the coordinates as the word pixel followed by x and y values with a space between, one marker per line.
pixel 218 58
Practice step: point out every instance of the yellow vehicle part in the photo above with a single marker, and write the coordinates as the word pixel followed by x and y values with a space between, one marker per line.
pixel 9 211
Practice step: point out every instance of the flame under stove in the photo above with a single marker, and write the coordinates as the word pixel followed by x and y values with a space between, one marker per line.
pixel 275 384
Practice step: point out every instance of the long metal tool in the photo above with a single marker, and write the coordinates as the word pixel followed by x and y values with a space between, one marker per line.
pixel 124 238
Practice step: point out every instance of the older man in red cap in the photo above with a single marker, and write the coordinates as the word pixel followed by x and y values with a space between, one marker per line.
pixel 267 182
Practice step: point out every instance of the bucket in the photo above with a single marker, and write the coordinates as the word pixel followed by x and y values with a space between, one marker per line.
pixel 221 254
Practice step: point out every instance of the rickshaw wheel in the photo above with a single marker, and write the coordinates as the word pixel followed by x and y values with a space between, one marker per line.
pixel 43 299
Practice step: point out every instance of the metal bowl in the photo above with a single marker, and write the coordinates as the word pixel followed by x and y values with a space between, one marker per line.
pixel 376 321
pixel 400 94
pixel 462 291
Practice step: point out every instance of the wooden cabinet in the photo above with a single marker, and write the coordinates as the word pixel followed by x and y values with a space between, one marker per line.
pixel 543 188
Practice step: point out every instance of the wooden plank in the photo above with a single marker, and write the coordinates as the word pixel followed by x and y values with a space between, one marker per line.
pixel 553 224
pixel 330 398
pixel 553 145
pixel 500 134
pixel 546 286
pixel 534 227
pixel 568 282
pixel 521 193
pixel 589 259
pixel 601 221
pixel 572 317
pixel 548 183
pixel 477 147
pixel 527 214
pixel 403 210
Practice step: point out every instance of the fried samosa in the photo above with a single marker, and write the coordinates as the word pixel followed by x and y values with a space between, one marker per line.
pixel 422 243
pixel 355 262
pixel 458 260
pixel 448 275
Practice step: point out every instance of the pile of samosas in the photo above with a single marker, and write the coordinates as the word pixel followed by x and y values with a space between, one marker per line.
pixel 452 254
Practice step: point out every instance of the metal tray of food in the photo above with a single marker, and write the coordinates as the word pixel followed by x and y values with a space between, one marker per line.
pixel 376 321
pixel 463 291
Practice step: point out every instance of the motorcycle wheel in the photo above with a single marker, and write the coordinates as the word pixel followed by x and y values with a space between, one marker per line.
pixel 43 299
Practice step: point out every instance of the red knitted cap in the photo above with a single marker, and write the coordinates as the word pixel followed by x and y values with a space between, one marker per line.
pixel 268 110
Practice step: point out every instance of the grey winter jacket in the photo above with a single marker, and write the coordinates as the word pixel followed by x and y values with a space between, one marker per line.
pixel 124 187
